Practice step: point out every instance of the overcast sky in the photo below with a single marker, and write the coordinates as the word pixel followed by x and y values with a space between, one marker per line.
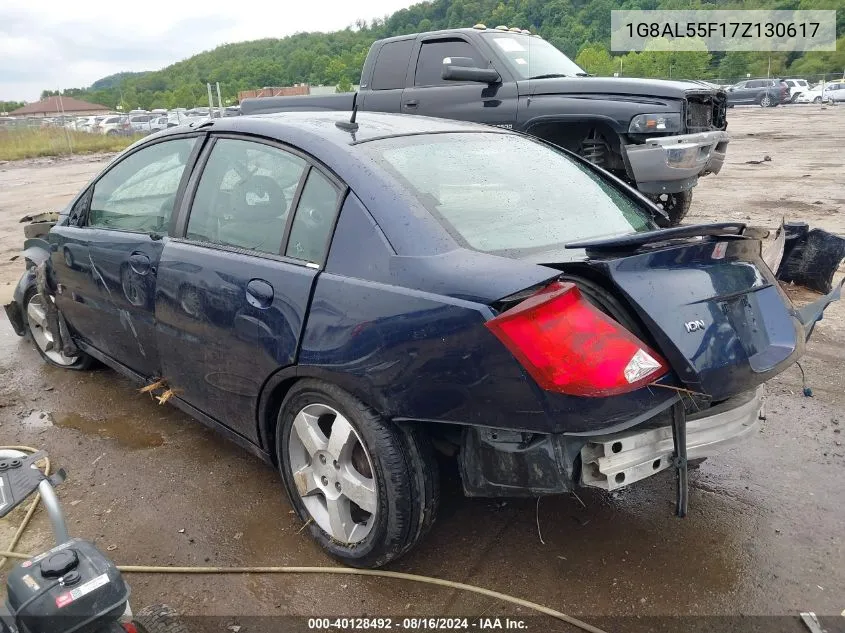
pixel 62 44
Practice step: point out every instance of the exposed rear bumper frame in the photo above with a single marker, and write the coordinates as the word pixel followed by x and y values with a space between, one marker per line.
pixel 616 460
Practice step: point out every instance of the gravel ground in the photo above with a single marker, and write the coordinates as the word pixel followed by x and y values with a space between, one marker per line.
pixel 764 536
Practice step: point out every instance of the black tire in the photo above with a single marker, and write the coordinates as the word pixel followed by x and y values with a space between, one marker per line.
pixel 765 101
pixel 405 476
pixel 84 361
pixel 158 618
pixel 817 100
pixel 675 205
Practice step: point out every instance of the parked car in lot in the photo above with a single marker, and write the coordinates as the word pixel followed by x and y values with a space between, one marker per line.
pixel 87 124
pixel 157 124
pixel 339 297
pixel 834 91
pixel 113 126
pixel 763 92
pixel 140 123
pixel 797 87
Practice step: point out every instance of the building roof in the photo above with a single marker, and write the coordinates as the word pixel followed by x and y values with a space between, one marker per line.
pixel 57 105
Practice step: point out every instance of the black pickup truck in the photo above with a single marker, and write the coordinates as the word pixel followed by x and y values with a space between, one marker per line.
pixel 658 135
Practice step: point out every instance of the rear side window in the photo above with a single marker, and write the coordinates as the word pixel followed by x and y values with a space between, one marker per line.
pixel 507 194
pixel 244 196
pixel 432 54
pixel 139 193
pixel 392 65
pixel 314 219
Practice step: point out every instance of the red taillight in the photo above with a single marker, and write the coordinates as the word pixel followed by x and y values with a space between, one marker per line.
pixel 569 346
pixel 129 627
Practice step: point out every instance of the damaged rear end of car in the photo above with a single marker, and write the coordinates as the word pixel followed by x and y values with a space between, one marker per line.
pixel 693 313
pixel 644 347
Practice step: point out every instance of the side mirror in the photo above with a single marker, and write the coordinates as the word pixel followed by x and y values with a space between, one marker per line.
pixel 463 69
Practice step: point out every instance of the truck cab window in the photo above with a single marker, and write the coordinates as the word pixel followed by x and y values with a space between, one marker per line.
pixel 392 65
pixel 432 54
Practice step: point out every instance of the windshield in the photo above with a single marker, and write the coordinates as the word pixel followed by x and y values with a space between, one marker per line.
pixel 531 57
pixel 507 194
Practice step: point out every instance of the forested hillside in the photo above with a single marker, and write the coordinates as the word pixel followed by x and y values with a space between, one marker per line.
pixel 581 28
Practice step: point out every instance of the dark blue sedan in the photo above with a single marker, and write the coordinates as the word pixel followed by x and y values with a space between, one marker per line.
pixel 342 298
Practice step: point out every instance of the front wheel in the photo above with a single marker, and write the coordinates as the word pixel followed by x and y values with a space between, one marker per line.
pixel 675 205
pixel 367 489
pixel 35 316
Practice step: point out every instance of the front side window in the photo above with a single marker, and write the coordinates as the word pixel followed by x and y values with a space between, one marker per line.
pixel 138 194
pixel 507 194
pixel 244 196
pixel 314 220
pixel 430 61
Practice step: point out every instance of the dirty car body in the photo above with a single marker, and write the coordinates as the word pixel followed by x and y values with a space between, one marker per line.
pixel 456 284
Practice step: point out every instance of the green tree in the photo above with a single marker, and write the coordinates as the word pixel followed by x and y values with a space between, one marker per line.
pixel 596 60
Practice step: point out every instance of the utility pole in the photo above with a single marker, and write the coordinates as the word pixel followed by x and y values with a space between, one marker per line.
pixel 210 101
pixel 219 100
pixel 64 123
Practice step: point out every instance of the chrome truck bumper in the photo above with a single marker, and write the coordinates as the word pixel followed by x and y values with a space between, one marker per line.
pixel 670 164
pixel 616 460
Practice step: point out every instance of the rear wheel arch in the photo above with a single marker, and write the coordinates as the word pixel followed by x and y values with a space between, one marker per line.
pixel 277 387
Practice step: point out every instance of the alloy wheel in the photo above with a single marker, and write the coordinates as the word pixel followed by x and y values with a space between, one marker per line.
pixel 36 314
pixel 333 473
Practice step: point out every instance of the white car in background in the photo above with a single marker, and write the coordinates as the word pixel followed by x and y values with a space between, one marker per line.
pixel 141 122
pixel 113 126
pixel 834 91
pixel 797 87
pixel 158 123
pixel 86 124
pixel 813 95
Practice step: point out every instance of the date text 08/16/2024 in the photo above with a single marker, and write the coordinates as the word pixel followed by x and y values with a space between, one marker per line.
pixel 417 624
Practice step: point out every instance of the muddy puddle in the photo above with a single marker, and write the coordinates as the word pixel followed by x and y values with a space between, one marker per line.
pixel 129 434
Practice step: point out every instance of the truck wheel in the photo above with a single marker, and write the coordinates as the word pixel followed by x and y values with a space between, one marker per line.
pixel 765 101
pixel 35 320
pixel 158 618
pixel 676 205
pixel 366 488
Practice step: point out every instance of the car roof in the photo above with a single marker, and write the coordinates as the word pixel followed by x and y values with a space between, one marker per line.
pixel 371 126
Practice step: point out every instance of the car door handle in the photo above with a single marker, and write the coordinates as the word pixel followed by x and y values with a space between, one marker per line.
pixel 413 103
pixel 140 263
pixel 259 294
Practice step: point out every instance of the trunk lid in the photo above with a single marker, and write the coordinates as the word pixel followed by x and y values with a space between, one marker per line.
pixel 712 306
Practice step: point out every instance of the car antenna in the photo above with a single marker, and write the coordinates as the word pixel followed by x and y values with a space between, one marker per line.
pixel 350 125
